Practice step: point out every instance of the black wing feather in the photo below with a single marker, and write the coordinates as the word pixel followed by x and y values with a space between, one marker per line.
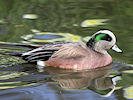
pixel 42 53
pixel 38 55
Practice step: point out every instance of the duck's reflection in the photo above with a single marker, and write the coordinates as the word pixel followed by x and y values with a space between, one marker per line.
pixel 96 80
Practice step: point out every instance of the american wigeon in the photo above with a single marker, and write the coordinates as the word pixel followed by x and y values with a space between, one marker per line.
pixel 75 55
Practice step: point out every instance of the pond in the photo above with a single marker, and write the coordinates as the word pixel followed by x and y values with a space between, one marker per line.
pixel 24 22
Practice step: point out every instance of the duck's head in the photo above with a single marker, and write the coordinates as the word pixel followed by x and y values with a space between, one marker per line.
pixel 102 41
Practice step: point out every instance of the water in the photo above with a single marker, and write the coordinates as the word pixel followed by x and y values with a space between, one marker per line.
pixel 62 20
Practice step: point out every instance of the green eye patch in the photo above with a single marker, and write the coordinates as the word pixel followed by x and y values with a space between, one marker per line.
pixel 100 37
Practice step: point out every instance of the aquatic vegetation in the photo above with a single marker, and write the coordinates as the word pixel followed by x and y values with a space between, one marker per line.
pixel 6 61
pixel 93 22
pixel 11 75
pixel 8 85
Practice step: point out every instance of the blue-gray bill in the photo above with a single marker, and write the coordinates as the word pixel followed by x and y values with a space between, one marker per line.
pixel 115 48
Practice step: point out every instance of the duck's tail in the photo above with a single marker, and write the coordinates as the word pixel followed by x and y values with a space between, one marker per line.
pixel 15 49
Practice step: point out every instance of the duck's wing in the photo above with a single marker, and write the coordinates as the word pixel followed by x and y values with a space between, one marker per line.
pixel 43 53
pixel 56 50
pixel 73 50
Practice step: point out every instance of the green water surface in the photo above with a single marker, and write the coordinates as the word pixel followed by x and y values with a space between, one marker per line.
pixel 62 19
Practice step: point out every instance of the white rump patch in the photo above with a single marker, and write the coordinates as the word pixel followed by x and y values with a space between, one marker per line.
pixel 40 66
pixel 40 63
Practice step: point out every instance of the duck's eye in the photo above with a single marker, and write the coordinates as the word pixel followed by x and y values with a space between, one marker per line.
pixel 102 36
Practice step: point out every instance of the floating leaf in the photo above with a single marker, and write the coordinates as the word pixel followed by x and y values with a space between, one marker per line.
pixel 128 92
pixel 50 37
pixel 35 30
pixel 93 22
pixel 27 37
pixel 128 71
pixel 3 21
pixel 75 24
pixel 30 16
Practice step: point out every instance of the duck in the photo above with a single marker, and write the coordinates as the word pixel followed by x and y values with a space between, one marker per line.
pixel 75 55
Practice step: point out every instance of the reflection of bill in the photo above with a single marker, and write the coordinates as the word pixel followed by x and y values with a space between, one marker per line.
pixel 103 86
pixel 95 80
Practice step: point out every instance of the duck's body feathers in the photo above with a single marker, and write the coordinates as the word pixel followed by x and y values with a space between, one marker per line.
pixel 56 50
